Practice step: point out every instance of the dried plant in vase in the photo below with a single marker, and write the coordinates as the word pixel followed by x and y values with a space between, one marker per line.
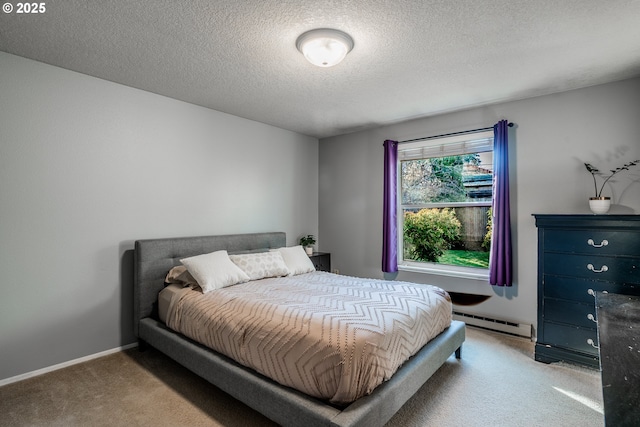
pixel 598 203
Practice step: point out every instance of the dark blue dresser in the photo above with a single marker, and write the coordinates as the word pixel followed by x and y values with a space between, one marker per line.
pixel 579 255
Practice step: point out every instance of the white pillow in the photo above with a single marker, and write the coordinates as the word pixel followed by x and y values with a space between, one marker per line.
pixel 214 270
pixel 297 260
pixel 261 265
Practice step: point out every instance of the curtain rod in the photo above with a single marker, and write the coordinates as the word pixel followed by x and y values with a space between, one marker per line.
pixel 450 134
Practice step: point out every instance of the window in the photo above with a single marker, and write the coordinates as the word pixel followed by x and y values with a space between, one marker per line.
pixel 444 201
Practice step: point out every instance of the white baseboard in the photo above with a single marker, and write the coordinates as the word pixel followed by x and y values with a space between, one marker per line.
pixel 65 364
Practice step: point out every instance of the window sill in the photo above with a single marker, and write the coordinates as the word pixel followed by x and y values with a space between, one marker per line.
pixel 449 271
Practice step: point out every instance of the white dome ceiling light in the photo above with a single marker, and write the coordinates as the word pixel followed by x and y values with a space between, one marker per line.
pixel 324 47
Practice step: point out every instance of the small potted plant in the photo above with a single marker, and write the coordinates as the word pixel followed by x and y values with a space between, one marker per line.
pixel 600 204
pixel 307 243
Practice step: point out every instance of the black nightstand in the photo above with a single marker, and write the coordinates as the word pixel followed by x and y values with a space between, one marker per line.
pixel 618 320
pixel 321 261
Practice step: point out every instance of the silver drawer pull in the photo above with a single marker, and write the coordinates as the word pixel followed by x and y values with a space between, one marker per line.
pixel 592 318
pixel 602 270
pixel 590 242
pixel 592 344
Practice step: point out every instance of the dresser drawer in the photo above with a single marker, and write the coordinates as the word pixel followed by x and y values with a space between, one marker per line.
pixel 582 290
pixel 571 337
pixel 607 268
pixel 592 242
pixel 569 312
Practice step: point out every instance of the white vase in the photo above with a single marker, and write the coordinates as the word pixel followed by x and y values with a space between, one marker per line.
pixel 599 205
pixel 309 250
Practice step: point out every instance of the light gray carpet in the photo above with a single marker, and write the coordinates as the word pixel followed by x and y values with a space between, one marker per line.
pixel 496 383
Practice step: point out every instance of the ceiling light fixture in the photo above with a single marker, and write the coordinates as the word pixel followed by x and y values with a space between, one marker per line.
pixel 324 47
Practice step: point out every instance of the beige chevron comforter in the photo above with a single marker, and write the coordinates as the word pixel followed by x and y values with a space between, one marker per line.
pixel 330 336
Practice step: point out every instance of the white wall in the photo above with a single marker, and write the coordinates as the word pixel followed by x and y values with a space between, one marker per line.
pixel 87 167
pixel 554 135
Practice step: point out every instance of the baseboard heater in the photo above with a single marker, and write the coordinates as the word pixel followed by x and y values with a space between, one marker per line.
pixel 520 329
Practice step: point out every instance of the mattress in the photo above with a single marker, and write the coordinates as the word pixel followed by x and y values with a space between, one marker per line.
pixel 332 337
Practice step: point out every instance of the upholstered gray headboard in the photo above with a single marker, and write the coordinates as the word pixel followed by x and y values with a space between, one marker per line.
pixel 153 258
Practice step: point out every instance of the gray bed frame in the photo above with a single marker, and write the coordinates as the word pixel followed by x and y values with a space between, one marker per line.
pixel 288 407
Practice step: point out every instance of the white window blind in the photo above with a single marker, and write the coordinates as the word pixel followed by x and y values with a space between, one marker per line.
pixel 447 146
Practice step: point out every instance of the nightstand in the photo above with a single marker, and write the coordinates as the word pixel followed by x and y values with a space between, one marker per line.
pixel 321 261
pixel 618 323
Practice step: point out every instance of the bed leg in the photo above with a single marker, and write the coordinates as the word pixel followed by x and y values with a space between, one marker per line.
pixel 143 346
pixel 459 352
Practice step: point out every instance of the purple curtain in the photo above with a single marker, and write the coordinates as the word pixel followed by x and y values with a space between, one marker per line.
pixel 500 263
pixel 390 212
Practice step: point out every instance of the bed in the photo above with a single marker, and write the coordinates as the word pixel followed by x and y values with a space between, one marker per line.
pixel 153 258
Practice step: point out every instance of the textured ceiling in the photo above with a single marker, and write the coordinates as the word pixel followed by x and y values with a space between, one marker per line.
pixel 411 58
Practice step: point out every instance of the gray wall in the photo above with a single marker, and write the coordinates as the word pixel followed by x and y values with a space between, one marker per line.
pixel 553 136
pixel 88 166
